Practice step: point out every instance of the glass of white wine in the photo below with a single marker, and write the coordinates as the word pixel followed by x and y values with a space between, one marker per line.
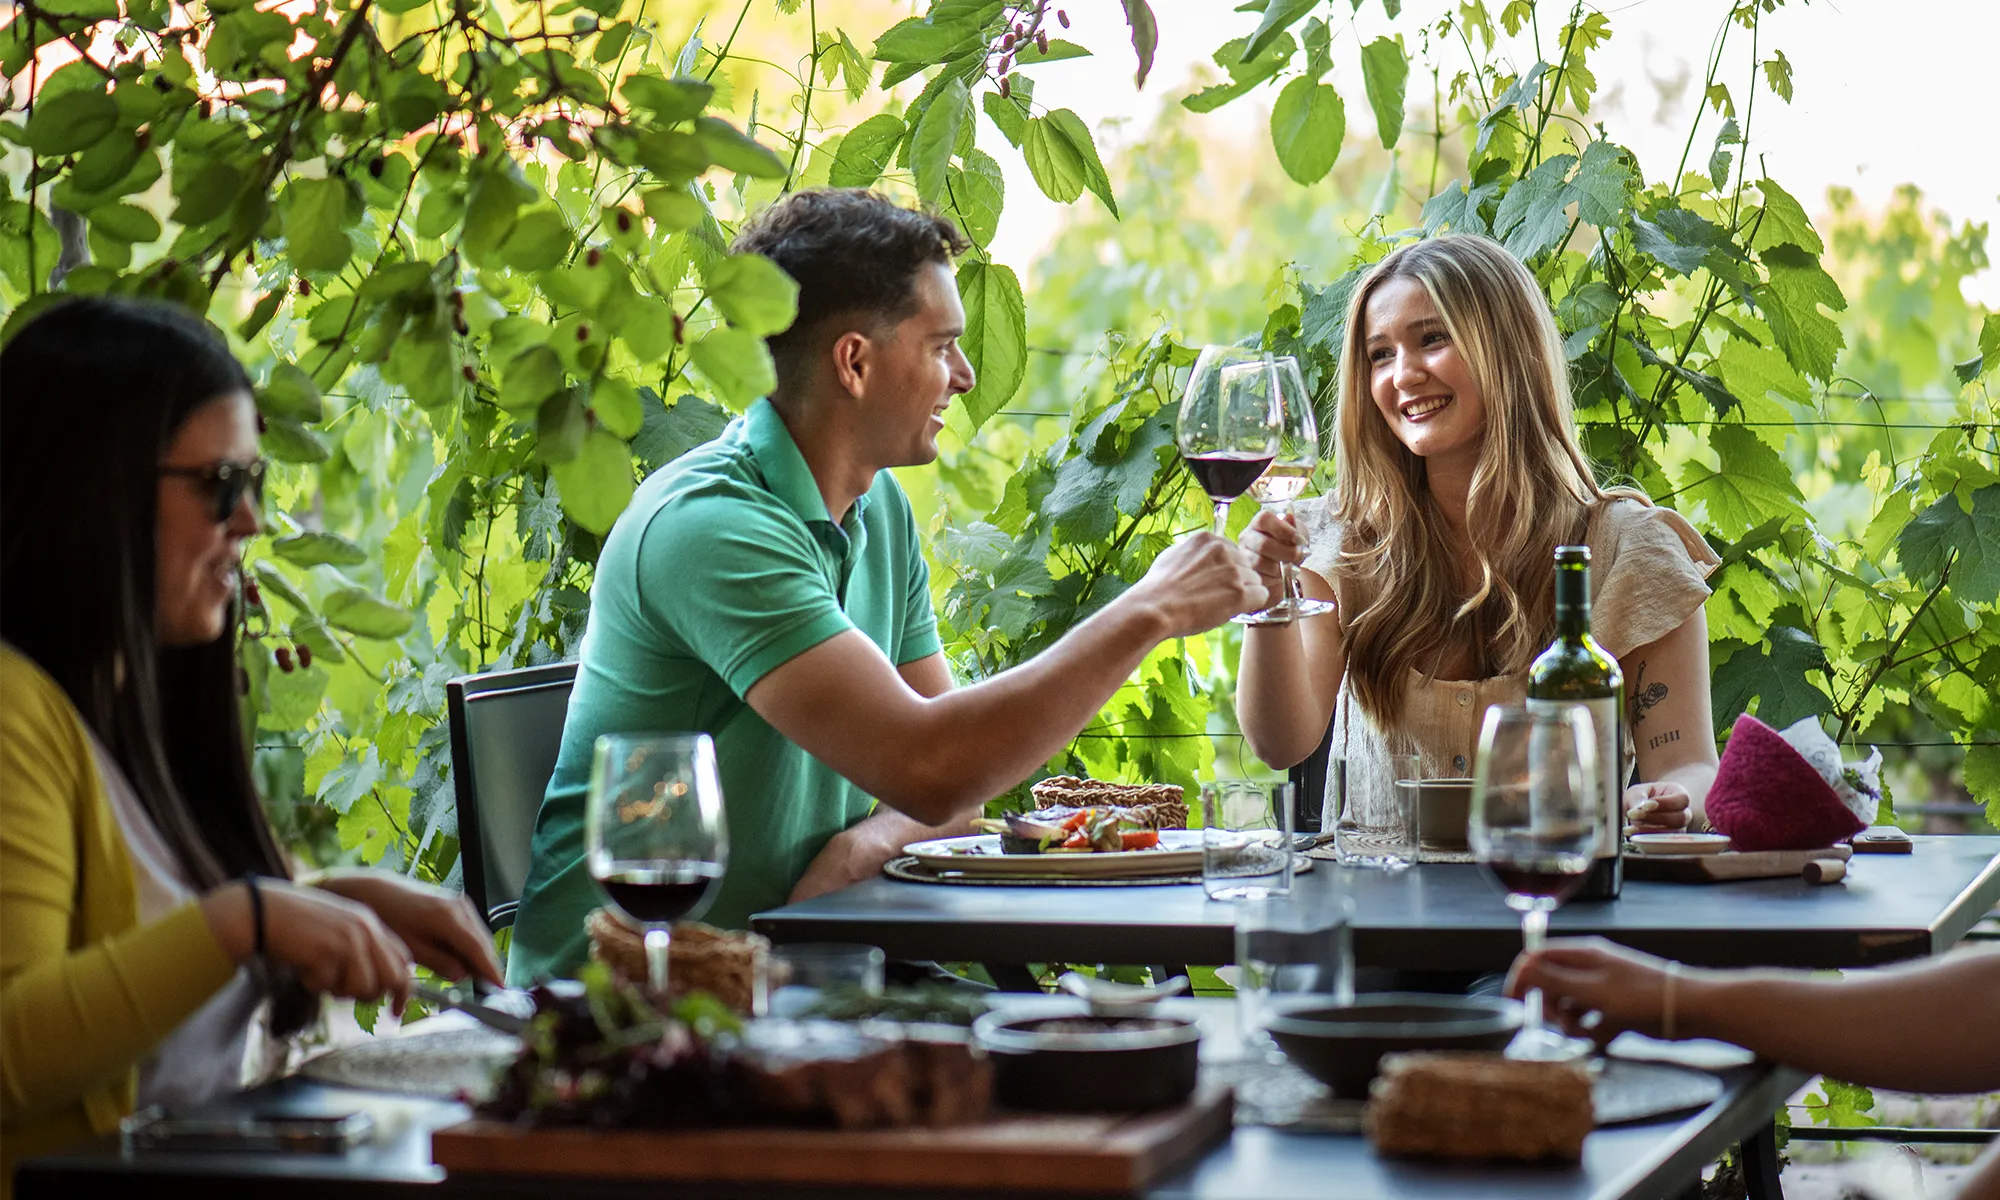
pixel 1286 479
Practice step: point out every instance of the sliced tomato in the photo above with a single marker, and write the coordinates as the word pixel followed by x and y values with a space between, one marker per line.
pixel 1139 839
pixel 1077 841
pixel 1075 820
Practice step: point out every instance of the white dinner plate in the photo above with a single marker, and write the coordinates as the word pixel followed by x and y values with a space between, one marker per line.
pixel 1179 853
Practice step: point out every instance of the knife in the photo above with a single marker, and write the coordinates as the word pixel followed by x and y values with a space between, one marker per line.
pixel 466 1000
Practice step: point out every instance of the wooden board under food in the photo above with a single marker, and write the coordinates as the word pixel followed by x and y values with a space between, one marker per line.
pixel 1731 864
pixel 1015 1151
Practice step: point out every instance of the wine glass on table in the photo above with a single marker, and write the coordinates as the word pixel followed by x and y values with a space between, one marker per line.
pixel 1285 480
pixel 1230 424
pixel 654 835
pixel 1533 827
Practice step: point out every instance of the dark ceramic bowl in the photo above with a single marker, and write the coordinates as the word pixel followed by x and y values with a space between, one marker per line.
pixel 1341 1045
pixel 1090 1064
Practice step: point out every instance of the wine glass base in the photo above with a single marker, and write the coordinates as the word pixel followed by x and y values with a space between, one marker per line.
pixel 1547 1045
pixel 1286 612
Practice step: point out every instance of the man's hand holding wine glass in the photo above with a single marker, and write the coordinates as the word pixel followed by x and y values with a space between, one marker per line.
pixel 1201 581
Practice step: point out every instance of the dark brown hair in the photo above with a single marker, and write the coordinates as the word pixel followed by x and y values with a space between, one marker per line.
pixel 92 392
pixel 855 255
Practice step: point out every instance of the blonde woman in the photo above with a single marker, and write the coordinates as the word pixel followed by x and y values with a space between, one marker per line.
pixel 1459 475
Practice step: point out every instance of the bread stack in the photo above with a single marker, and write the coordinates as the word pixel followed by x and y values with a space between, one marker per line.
pixel 1479 1106
pixel 1157 805
pixel 701 958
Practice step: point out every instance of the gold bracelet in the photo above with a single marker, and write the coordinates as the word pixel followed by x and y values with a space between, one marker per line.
pixel 1667 1001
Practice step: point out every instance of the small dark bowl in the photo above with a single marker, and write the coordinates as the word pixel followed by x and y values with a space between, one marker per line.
pixel 1341 1045
pixel 1090 1064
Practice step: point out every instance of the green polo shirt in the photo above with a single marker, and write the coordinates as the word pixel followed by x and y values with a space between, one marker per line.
pixel 725 566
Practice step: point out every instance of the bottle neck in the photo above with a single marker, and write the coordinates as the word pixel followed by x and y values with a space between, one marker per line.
pixel 1572 600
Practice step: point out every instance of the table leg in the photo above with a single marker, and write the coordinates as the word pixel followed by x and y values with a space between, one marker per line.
pixel 1759 1157
pixel 1012 977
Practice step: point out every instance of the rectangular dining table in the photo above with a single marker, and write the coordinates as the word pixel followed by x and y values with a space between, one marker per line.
pixel 1432 917
pixel 1645 1160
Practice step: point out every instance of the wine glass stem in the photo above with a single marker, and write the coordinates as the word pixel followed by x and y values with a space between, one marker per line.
pixel 1222 518
pixel 1534 930
pixel 1289 573
pixel 657 942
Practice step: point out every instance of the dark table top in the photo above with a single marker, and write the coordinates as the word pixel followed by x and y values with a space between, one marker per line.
pixel 1433 917
pixel 1645 1159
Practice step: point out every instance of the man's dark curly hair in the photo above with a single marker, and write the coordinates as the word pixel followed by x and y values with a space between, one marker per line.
pixel 855 255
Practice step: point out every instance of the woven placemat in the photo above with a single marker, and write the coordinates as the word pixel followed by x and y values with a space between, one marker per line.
pixel 446 1063
pixel 1281 1095
pixel 909 870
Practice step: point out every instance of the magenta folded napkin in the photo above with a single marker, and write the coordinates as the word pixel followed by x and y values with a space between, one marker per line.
pixel 1768 797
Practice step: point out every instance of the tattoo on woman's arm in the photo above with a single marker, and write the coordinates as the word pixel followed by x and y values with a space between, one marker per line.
pixel 1647 695
pixel 1659 740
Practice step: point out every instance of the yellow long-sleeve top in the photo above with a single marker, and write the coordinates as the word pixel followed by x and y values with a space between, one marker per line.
pixel 86 991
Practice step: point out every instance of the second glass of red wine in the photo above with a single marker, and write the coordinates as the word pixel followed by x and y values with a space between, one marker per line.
pixel 1533 826
pixel 654 834
pixel 1230 424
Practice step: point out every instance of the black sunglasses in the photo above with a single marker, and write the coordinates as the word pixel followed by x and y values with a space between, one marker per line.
pixel 226 482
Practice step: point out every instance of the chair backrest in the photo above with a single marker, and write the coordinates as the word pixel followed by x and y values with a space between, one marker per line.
pixel 506 729
pixel 1309 785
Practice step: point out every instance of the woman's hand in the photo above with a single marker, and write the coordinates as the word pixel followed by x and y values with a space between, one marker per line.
pixel 441 928
pixel 1585 975
pixel 336 946
pixel 1657 808
pixel 1273 541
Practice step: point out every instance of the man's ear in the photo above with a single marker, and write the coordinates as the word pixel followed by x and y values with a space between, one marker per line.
pixel 853 360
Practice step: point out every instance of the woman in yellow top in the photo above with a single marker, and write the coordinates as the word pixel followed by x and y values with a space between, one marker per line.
pixel 1459 475
pixel 146 910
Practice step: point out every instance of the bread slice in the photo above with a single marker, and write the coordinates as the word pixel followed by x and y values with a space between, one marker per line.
pixel 1159 805
pixel 1479 1106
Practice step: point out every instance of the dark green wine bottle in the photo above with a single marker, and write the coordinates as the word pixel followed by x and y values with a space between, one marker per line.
pixel 1576 670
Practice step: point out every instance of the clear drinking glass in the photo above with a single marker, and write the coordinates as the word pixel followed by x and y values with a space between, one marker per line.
pixel 1291 948
pixel 654 835
pixel 1285 480
pixel 1375 812
pixel 1534 828
pixel 1230 424
pixel 799 974
pixel 1246 839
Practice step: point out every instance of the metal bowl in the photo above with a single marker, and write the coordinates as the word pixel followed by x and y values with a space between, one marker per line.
pixel 1342 1045
pixel 1083 1063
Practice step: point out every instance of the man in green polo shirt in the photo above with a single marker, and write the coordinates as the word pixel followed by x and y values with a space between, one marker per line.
pixel 769 589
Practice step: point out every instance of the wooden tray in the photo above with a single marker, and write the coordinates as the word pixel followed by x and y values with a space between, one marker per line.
pixel 1730 864
pixel 1038 1152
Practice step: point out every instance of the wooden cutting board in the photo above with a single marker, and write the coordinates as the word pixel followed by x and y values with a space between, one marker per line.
pixel 1730 864
pixel 1015 1151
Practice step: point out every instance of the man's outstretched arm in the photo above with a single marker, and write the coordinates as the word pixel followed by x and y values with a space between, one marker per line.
pixel 858 853
pixel 932 758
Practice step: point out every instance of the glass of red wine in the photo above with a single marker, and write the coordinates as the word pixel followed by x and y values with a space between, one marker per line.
pixel 1533 827
pixel 654 835
pixel 1285 480
pixel 1231 423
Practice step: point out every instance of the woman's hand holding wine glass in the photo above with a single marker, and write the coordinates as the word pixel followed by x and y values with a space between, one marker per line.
pixel 1534 827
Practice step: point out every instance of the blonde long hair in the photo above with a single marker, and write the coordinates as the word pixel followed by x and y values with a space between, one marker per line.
pixel 1532 488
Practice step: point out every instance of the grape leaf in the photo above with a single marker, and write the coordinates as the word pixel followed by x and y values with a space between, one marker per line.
pixel 314 212
pixel 667 433
pixel 1791 301
pixel 1945 528
pixel 1530 219
pixel 1307 125
pixel 360 611
pixel 1778 680
pixel 754 293
pixel 937 132
pixel 1751 484
pixel 597 483
pixel 1385 73
pixel 866 151
pixel 1604 183
pixel 996 336
pixel 313 548
pixel 1783 220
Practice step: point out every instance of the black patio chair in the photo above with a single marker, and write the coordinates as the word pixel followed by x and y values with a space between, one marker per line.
pixel 506 729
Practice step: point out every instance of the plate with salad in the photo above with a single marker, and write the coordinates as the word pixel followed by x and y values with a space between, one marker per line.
pixel 1081 843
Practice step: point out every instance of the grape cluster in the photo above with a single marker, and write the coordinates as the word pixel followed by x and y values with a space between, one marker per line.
pixel 1025 25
